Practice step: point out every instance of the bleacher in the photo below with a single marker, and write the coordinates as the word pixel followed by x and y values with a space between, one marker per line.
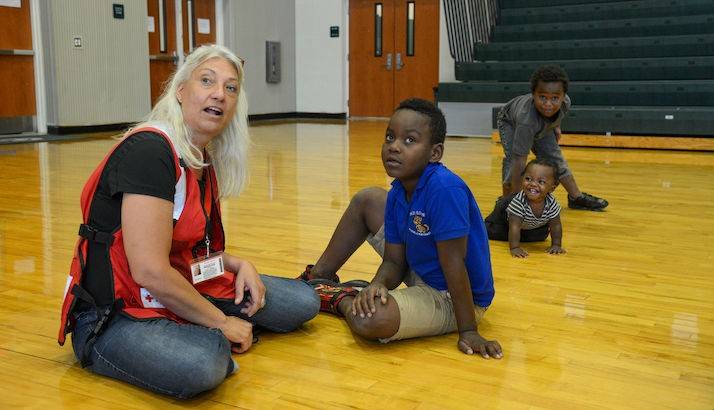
pixel 636 67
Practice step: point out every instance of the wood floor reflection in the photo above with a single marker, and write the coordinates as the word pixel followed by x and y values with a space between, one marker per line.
pixel 624 320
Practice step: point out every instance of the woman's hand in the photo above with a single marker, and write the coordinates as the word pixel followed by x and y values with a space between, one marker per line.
pixel 363 304
pixel 239 332
pixel 247 278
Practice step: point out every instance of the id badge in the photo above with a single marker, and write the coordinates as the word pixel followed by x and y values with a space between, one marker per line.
pixel 203 269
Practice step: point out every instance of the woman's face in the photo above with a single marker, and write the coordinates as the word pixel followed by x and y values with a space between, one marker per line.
pixel 208 99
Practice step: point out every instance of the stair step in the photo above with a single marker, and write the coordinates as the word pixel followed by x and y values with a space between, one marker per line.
pixel 610 48
pixel 606 11
pixel 673 68
pixel 641 27
pixel 617 93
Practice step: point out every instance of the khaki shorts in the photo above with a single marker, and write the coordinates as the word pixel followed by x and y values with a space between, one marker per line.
pixel 423 310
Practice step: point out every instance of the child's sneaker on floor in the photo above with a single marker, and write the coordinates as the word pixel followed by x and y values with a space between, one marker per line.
pixel 332 293
pixel 588 202
pixel 307 275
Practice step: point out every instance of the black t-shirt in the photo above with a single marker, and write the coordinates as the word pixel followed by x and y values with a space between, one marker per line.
pixel 142 164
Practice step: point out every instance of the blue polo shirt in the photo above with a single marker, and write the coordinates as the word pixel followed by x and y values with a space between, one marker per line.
pixel 442 207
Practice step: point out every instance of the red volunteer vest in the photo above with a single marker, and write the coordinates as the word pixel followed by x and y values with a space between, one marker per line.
pixel 189 231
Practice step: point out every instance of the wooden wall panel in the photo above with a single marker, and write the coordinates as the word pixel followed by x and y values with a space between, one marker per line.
pixel 205 9
pixel 376 90
pixel 202 9
pixel 159 71
pixel 154 41
pixel 371 82
pixel 420 73
pixel 17 89
pixel 17 92
pixel 15 27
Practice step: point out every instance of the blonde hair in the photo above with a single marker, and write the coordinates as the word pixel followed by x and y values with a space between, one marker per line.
pixel 229 150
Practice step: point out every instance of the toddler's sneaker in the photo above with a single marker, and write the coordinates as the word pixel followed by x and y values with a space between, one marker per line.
pixel 587 202
pixel 332 293
pixel 307 275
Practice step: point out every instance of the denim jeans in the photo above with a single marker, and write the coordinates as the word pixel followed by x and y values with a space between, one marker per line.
pixel 183 359
pixel 546 147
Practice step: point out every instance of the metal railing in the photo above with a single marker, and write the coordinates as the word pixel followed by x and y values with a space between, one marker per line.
pixel 469 22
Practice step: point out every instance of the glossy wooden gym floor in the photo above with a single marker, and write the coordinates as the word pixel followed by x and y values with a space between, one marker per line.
pixel 624 320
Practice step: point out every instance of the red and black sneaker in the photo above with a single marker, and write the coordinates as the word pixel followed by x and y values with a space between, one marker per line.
pixel 307 275
pixel 332 293
pixel 359 284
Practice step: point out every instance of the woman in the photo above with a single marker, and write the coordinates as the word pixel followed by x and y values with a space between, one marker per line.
pixel 151 298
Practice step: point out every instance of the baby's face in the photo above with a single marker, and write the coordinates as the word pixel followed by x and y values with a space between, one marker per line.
pixel 538 182
pixel 548 97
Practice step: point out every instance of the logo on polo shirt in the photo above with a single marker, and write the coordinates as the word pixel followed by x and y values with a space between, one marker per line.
pixel 420 228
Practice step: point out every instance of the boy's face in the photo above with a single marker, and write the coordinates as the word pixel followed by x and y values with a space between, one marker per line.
pixel 407 147
pixel 538 182
pixel 548 97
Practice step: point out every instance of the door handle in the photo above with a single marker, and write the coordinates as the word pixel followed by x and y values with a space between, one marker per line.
pixel 400 63
pixel 388 65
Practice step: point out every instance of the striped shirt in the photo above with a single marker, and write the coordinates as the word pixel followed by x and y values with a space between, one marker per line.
pixel 519 206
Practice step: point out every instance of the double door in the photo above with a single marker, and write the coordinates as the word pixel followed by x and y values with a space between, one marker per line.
pixel 393 54
pixel 197 27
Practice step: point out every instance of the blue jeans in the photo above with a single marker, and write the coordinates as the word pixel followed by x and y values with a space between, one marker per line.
pixel 546 147
pixel 183 359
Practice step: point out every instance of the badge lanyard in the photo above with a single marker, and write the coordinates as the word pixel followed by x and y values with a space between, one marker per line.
pixel 211 265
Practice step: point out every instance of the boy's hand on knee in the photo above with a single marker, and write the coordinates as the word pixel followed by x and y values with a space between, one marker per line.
pixel 364 305
pixel 555 250
pixel 519 252
pixel 471 342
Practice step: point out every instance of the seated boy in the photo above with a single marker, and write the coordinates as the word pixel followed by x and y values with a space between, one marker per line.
pixel 532 122
pixel 531 214
pixel 429 231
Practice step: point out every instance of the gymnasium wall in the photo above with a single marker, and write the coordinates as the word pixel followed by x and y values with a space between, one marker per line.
pixel 314 64
pixel 107 80
pixel 249 24
pixel 447 72
pixel 320 60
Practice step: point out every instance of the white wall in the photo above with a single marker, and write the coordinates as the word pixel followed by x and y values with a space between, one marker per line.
pixel 107 80
pixel 320 60
pixel 446 62
pixel 249 24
